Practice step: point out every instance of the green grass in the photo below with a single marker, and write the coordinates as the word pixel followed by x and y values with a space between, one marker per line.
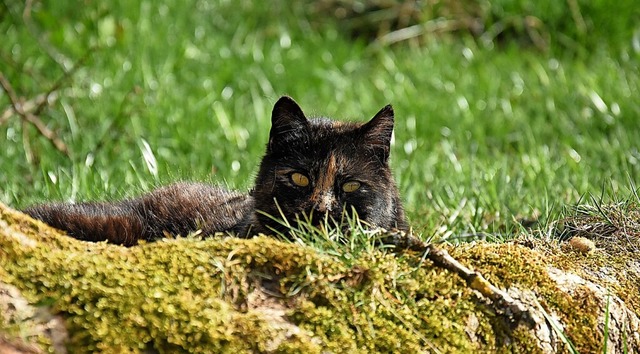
pixel 485 135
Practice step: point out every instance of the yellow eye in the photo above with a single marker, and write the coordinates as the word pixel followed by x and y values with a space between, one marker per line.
pixel 351 186
pixel 299 179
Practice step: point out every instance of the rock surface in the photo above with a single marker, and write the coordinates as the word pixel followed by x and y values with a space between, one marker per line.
pixel 263 295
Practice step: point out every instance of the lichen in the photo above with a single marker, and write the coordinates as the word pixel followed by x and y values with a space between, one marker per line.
pixel 511 265
pixel 225 294
pixel 27 328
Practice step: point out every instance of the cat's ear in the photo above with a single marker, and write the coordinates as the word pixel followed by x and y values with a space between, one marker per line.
pixel 378 131
pixel 288 123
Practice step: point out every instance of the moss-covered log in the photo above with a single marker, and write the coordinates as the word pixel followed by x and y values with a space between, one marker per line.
pixel 263 295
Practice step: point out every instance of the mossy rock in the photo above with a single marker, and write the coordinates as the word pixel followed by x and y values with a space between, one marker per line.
pixel 263 295
pixel 25 328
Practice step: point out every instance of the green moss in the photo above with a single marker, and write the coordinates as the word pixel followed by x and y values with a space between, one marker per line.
pixel 263 295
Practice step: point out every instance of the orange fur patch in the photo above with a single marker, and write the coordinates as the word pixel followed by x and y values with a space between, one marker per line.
pixel 325 183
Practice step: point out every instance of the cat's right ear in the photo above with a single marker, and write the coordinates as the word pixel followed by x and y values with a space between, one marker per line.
pixel 288 124
pixel 378 131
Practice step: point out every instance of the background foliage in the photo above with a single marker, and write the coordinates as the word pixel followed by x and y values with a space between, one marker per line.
pixel 505 109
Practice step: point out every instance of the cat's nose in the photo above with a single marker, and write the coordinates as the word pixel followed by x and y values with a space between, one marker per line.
pixel 325 203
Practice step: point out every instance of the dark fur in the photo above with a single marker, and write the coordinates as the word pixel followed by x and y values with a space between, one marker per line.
pixel 330 153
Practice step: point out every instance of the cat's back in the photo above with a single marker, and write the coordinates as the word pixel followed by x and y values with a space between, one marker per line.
pixel 177 209
pixel 195 191
pixel 184 206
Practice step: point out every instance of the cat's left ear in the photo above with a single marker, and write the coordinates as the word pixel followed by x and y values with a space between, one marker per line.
pixel 378 131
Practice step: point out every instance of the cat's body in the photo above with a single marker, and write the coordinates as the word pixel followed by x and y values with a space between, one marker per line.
pixel 176 209
pixel 314 170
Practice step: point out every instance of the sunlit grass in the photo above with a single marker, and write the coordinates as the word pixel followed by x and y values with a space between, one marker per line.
pixel 485 137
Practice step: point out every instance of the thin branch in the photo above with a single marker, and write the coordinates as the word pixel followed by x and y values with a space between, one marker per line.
pixel 30 105
pixel 503 303
pixel 581 25
pixel 67 74
pixel 18 107
pixel 52 52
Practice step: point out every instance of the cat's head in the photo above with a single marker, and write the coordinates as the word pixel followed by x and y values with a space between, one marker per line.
pixel 319 168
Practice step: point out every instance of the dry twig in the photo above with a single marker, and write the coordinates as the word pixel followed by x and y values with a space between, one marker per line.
pixel 29 105
pixel 18 106
pixel 29 110
pixel 502 302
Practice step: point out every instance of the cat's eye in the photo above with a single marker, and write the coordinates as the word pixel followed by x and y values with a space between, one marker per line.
pixel 299 179
pixel 351 186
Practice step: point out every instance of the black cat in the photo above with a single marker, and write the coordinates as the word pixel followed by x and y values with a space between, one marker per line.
pixel 316 170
